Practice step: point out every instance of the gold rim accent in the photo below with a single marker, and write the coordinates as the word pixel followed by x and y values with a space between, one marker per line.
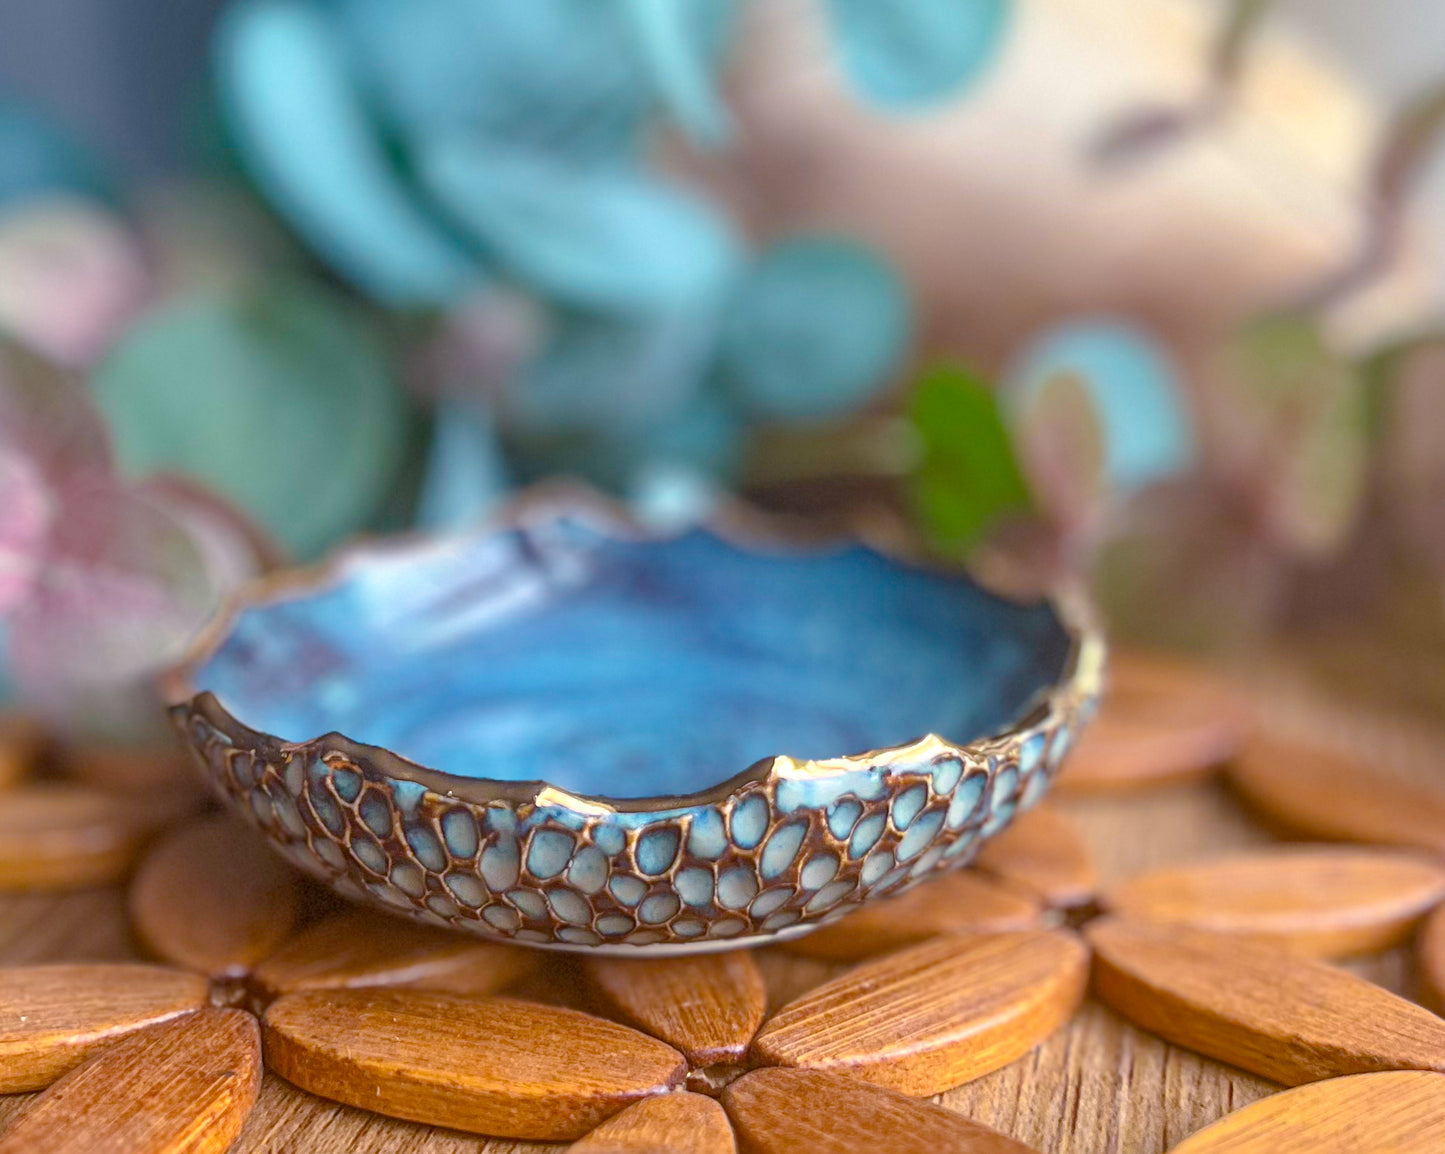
pixel 735 522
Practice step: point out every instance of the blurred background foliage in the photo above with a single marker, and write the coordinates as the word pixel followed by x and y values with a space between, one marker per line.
pixel 1009 276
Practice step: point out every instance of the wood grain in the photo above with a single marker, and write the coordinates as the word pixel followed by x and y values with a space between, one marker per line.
pixel 1283 1017
pixel 1042 852
pixel 963 901
pixel 60 836
pixel 1430 956
pixel 1392 1113
pixel 361 948
pixel 785 1111
pixel 680 1123
pixel 1162 720
pixel 184 1087
pixel 1326 794
pixel 708 1006
pixel 1098 1086
pixel 114 766
pixel 21 742
pixel 52 1018
pixel 935 1015
pixel 212 897
pixel 1322 901
pixel 486 1065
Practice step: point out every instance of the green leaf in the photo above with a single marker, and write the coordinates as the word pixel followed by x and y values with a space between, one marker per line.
pixel 281 400
pixel 969 476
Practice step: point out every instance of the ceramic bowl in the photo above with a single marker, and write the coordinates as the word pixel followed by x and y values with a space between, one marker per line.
pixel 566 731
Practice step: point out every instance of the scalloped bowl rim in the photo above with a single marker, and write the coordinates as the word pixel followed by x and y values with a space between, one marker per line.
pixel 734 523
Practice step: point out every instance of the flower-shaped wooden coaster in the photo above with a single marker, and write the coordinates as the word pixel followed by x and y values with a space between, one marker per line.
pixel 831 1044
pixel 407 1021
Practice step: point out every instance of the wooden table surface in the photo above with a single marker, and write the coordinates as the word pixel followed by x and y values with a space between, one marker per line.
pixel 1097 1087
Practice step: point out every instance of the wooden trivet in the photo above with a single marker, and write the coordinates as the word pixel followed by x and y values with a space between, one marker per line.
pixel 369 1011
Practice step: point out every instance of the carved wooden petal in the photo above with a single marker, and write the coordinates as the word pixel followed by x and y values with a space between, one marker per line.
pixel 60 836
pixel 1276 1015
pixel 359 948
pixel 1042 852
pixel 21 741
pixel 1161 720
pixel 935 1015
pixel 1402 1112
pixel 1327 795
pixel 214 898
pixel 488 1065
pixel 1432 960
pixel 708 1006
pixel 165 767
pixel 184 1087
pixel 679 1123
pixel 54 1017
pixel 956 903
pixel 1327 901
pixel 785 1111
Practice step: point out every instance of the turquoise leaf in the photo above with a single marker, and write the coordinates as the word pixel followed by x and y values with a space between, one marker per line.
pixel 707 437
pixel 608 238
pixel 302 130
pixel 681 43
pixel 813 328
pixel 560 76
pixel 466 475
pixel 1134 387
pixel 906 53
pixel 614 376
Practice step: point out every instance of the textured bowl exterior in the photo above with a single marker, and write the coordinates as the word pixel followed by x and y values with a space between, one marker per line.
pixel 784 846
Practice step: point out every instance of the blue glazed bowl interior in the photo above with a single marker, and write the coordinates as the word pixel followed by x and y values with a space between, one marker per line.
pixel 612 667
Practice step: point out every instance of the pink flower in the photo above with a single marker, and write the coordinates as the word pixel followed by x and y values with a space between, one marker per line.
pixel 102 581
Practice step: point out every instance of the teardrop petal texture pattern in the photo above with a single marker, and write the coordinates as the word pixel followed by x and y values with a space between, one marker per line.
pixel 934 1016
pixel 359 948
pixel 214 898
pixel 486 1065
pixel 1338 798
pixel 1283 1017
pixel 958 903
pixel 184 1087
pixel 1161 720
pixel 1042 852
pixel 506 857
pixel 1399 1112
pixel 52 1018
pixel 681 1123
pixel 709 1006
pixel 782 1111
pixel 1328 901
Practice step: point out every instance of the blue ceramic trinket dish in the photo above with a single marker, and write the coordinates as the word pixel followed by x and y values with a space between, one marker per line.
pixel 566 731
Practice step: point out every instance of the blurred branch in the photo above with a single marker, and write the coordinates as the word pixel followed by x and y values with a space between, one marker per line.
pixel 1409 143
pixel 872 446
pixel 1141 134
